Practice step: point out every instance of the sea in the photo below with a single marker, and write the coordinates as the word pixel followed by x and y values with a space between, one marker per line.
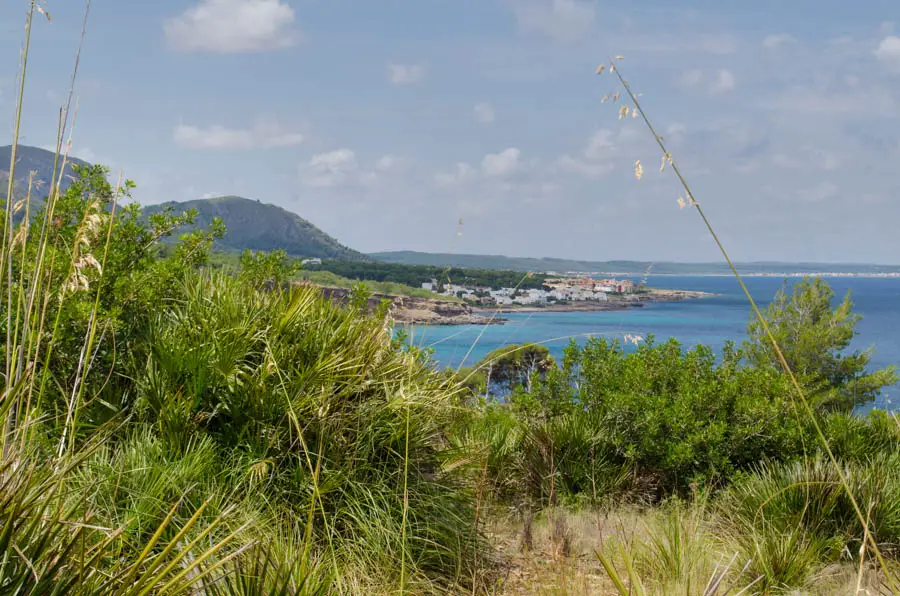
pixel 708 321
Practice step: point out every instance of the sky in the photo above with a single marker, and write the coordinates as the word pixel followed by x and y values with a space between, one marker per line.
pixel 477 126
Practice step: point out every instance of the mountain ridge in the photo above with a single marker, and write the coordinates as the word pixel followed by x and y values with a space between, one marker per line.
pixel 252 224
pixel 33 159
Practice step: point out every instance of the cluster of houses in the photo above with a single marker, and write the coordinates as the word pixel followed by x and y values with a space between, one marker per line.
pixel 561 289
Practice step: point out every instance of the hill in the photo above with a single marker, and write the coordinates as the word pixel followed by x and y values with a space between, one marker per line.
pixel 261 226
pixel 32 159
pixel 627 267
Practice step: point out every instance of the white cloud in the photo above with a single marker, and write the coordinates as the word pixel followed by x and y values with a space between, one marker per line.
pixel 690 78
pixel 405 74
pixel 229 26
pixel 264 135
pixel 562 20
pixel 888 52
pixel 773 42
pixel 501 164
pixel 333 168
pixel 807 159
pixel 584 167
pixel 597 158
pixel 388 162
pixel 342 168
pixel 814 101
pixel 462 173
pixel 484 113
pixel 822 191
pixel 724 82
pixel 600 145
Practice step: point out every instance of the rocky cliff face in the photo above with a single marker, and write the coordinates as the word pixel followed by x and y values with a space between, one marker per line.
pixel 419 311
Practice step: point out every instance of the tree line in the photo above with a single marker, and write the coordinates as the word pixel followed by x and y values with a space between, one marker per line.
pixel 416 275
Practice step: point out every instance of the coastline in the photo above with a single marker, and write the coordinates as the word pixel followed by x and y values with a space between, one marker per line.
pixel 614 302
pixel 409 310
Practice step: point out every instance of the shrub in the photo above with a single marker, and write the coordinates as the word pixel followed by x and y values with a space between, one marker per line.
pixel 322 411
pixel 792 517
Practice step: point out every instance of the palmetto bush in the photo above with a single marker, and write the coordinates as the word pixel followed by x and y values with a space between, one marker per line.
pixel 792 518
pixel 315 407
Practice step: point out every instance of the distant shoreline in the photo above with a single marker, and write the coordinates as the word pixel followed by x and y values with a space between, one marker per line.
pixel 613 303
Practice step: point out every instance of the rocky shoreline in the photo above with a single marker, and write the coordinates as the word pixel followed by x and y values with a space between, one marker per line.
pixel 421 311
pixel 614 303
pixel 410 310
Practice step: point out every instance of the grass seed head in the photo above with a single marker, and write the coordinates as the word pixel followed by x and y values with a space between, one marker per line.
pixel 623 111
pixel 638 170
pixel 601 68
pixel 21 234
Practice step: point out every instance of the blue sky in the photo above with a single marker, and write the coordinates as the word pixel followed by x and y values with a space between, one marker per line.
pixel 387 122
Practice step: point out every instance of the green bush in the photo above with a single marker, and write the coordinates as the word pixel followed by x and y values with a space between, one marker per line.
pixel 321 411
pixel 677 416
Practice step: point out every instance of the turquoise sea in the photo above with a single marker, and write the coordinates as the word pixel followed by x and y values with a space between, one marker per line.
pixel 710 321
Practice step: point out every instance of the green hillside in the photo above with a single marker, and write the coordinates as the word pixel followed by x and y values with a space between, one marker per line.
pixel 261 226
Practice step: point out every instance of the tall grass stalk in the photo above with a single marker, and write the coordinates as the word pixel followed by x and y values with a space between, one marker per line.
pixel 801 394
pixel 403 545
pixel 6 245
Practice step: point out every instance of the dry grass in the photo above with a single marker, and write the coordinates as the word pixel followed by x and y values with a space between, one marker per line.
pixel 675 551
pixel 545 567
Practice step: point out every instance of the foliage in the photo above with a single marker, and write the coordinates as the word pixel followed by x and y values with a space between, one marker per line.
pixel 812 338
pixel 416 275
pixel 95 271
pixel 260 269
pixel 677 416
pixel 515 365
pixel 326 278
pixel 317 406
pixel 791 517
